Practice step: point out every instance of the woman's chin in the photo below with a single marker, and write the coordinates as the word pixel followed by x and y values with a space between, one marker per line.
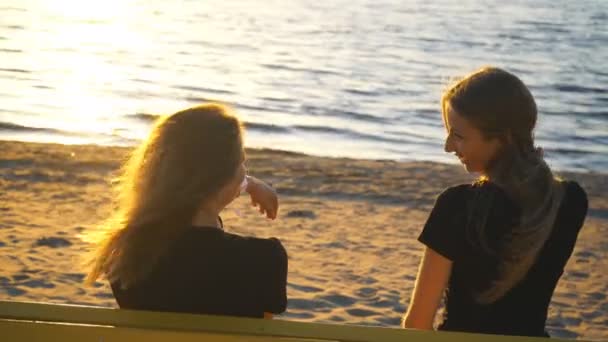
pixel 468 167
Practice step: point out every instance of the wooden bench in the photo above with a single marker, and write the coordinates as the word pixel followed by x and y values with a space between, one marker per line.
pixel 21 321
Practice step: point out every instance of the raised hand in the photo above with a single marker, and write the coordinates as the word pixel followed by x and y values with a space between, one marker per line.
pixel 263 196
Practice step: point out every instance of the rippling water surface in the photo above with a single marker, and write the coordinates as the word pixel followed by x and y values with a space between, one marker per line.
pixel 356 78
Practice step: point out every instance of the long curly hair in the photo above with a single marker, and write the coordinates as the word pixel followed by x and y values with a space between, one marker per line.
pixel 188 157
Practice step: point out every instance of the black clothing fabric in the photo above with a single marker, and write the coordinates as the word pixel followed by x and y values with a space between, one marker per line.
pixel 523 310
pixel 210 271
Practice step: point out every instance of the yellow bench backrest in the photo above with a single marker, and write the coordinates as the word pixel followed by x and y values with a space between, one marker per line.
pixel 21 321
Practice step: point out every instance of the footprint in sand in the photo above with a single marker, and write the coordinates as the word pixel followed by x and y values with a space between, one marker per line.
pixel 308 305
pixel 366 292
pixel 298 315
pixel 315 279
pixel 575 274
pixel 302 214
pixel 73 277
pixel 591 315
pixel 389 321
pixel 34 259
pixel 361 312
pixel 104 295
pixel 562 333
pixel 571 321
pixel 10 223
pixel 339 300
pixel 53 242
pixel 304 288
pixel 559 304
pixel 331 245
pixel 410 277
pixel 13 291
pixel 586 255
pixel 382 303
pixel 360 279
pixel 400 308
pixel 336 319
pixel 554 323
pixel 37 284
pixel 32 270
pixel 20 277
pixel 596 296
pixel 571 295
pixel 98 284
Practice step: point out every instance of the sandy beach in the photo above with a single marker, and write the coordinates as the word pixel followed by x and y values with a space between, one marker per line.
pixel 350 228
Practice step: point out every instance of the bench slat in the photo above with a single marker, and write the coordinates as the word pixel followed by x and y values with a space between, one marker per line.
pixel 152 323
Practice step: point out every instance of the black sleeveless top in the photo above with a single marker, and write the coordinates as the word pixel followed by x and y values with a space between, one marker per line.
pixel 523 310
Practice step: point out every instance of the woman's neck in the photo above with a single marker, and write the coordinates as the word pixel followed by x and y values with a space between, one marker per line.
pixel 206 219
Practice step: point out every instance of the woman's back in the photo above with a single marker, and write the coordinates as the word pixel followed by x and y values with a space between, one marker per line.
pixel 523 309
pixel 163 247
pixel 209 271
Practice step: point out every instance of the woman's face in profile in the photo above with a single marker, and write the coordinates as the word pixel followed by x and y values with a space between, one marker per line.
pixel 233 188
pixel 240 175
pixel 468 143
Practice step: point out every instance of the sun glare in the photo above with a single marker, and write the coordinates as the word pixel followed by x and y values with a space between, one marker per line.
pixel 90 10
pixel 82 51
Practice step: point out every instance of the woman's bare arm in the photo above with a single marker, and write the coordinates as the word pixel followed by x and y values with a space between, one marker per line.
pixel 432 279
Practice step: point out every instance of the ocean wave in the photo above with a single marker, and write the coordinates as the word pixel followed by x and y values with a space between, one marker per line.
pixel 571 88
pixel 198 99
pixel 242 106
pixel 268 128
pixel 566 151
pixel 11 50
pixel 342 113
pixel 374 83
pixel 349 134
pixel 360 92
pixel 15 70
pixel 203 89
pixel 144 117
pixel 302 70
pixel 546 26
pixel 602 99
pixel 578 113
pixel 319 129
pixel 9 126
pixel 277 99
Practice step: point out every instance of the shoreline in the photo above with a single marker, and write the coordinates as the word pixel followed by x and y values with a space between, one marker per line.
pixel 78 139
pixel 388 181
pixel 349 226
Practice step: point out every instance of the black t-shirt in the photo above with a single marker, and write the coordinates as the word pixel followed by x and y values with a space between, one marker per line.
pixel 210 271
pixel 523 310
